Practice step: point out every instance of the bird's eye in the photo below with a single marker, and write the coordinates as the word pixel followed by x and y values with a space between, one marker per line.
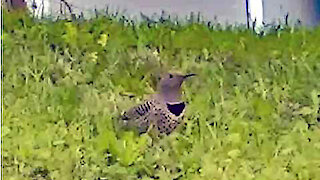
pixel 170 76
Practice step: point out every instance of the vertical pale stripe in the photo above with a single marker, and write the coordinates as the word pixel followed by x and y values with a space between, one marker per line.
pixel 256 12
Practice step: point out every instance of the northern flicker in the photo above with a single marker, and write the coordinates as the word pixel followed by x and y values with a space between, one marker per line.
pixel 163 111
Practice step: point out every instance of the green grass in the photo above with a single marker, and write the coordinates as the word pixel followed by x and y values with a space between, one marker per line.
pixel 251 114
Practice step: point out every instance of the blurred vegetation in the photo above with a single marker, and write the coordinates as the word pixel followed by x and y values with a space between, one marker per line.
pixel 252 111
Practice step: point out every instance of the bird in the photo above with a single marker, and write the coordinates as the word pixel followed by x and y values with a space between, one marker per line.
pixel 163 111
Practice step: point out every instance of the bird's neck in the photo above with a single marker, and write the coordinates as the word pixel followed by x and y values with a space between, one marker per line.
pixel 171 97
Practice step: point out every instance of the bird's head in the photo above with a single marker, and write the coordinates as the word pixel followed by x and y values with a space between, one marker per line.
pixel 169 85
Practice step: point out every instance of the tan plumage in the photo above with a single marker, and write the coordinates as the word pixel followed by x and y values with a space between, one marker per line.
pixel 164 110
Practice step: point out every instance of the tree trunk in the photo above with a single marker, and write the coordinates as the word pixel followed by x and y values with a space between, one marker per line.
pixel 15 4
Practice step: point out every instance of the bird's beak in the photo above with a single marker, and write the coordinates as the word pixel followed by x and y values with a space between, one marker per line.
pixel 189 75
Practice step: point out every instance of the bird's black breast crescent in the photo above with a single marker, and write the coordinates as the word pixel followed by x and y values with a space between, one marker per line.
pixel 176 109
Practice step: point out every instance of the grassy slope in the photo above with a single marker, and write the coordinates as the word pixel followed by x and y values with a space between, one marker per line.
pixel 251 115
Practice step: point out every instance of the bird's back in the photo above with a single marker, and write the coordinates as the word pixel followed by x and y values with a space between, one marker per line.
pixel 155 113
pixel 140 116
